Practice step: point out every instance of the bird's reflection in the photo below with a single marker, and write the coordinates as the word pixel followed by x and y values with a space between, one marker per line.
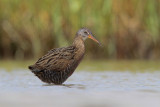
pixel 79 86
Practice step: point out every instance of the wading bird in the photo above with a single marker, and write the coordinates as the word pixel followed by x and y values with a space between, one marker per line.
pixel 59 63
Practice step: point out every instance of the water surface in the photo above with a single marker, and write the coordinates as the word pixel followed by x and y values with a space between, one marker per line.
pixel 82 89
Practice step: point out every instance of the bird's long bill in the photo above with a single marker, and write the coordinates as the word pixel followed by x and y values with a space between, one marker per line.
pixel 91 37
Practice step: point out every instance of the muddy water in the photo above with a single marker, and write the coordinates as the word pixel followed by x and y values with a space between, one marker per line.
pixel 82 89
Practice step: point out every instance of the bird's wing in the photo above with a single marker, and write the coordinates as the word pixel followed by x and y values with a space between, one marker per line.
pixel 56 59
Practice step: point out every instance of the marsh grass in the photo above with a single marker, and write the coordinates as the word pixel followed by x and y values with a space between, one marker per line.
pixel 94 66
pixel 128 29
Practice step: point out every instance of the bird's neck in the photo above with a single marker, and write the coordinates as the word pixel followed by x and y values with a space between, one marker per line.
pixel 79 43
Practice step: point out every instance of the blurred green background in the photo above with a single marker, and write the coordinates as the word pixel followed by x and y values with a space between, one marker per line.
pixel 128 29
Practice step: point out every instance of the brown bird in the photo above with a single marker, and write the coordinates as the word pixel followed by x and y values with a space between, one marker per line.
pixel 59 63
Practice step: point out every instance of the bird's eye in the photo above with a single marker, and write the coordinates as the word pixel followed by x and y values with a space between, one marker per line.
pixel 86 32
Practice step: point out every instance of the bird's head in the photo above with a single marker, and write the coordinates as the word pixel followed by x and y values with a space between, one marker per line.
pixel 86 33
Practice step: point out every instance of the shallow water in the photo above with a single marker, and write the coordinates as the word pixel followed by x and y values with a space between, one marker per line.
pixel 83 88
pixel 24 80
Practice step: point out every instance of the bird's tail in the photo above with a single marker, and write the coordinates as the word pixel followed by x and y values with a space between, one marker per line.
pixel 33 68
pixel 30 67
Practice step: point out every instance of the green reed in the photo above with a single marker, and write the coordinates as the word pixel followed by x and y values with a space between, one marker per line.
pixel 126 28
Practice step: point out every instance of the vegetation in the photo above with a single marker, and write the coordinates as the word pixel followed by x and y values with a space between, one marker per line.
pixel 93 65
pixel 127 29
